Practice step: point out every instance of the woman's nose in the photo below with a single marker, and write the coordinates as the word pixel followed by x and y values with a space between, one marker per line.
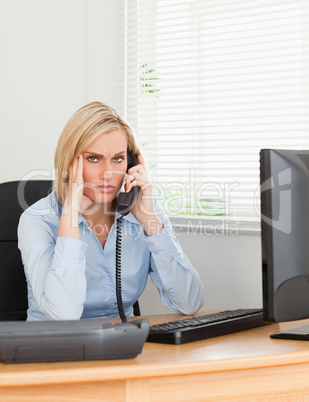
pixel 106 171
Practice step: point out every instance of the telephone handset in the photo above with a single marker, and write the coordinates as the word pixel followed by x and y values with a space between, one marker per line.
pixel 126 202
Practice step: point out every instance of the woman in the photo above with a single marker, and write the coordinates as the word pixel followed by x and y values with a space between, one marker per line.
pixel 67 240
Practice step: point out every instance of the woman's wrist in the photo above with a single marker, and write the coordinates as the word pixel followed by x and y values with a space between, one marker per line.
pixel 71 206
pixel 69 226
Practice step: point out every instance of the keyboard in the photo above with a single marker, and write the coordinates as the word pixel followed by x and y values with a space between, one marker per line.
pixel 205 326
pixel 50 341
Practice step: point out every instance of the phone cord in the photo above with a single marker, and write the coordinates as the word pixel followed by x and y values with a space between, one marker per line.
pixel 118 269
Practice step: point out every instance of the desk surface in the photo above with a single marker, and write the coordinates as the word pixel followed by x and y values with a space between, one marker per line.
pixel 250 352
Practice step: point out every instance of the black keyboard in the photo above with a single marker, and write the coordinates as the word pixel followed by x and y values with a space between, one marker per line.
pixel 206 326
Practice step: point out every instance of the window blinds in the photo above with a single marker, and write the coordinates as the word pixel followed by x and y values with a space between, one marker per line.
pixel 206 85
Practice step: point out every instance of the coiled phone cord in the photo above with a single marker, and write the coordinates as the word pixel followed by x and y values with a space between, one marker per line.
pixel 118 269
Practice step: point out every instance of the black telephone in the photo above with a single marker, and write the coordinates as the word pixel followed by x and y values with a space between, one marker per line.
pixel 125 203
pixel 126 200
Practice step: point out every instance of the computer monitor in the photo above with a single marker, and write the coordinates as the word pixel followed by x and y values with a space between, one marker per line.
pixel 284 176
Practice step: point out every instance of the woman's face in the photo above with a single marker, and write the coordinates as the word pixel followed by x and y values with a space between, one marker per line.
pixel 104 166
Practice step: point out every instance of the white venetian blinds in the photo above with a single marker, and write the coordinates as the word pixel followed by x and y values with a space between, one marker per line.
pixel 206 85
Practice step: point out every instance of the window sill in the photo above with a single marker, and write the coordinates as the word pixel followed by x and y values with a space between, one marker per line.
pixel 216 226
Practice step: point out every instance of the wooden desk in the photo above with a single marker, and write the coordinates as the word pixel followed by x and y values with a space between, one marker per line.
pixel 243 366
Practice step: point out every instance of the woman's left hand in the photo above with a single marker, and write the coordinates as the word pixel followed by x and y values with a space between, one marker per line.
pixel 143 208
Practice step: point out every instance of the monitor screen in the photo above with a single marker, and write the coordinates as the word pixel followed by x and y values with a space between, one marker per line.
pixel 284 178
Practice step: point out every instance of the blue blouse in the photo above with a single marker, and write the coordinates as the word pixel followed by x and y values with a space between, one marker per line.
pixel 70 279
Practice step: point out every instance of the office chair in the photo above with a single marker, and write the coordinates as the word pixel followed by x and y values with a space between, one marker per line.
pixel 15 197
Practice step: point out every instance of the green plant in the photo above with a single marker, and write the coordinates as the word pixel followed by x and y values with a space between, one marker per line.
pixel 147 84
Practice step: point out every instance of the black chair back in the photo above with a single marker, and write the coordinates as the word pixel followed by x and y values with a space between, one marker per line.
pixel 15 197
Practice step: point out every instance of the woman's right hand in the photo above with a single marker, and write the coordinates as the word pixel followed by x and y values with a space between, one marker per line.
pixel 76 201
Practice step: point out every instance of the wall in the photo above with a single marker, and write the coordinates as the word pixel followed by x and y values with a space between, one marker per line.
pixel 43 80
pixel 105 48
pixel 55 57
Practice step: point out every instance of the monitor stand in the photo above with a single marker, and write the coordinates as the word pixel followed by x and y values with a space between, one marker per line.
pixel 300 333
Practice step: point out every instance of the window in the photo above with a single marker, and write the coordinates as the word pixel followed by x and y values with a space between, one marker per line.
pixel 207 85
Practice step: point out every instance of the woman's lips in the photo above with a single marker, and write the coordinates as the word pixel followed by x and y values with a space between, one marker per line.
pixel 106 189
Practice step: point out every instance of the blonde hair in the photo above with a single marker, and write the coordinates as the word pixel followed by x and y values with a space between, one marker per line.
pixel 88 123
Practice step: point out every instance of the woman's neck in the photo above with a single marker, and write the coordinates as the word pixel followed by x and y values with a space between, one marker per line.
pixel 101 221
pixel 99 213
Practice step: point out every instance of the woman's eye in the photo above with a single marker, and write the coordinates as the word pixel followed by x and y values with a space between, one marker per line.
pixel 119 159
pixel 92 159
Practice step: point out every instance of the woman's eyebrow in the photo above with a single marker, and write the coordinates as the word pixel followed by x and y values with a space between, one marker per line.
pixel 92 153
pixel 96 154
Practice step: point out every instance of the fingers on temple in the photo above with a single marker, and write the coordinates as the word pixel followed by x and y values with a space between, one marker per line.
pixel 76 169
pixel 80 166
